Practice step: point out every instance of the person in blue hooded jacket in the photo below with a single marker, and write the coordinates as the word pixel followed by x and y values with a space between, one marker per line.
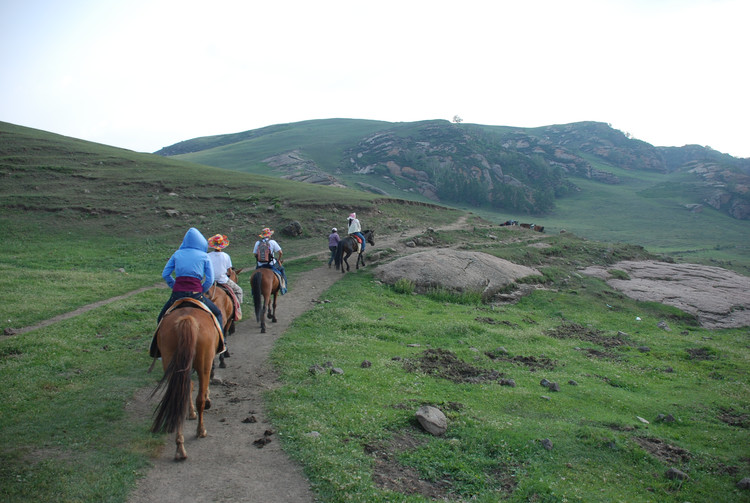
pixel 194 273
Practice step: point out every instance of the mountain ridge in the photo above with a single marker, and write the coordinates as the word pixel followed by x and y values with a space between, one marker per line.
pixel 505 168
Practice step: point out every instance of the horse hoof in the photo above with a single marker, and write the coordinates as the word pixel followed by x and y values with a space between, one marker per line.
pixel 202 434
pixel 180 457
pixel 263 330
pixel 207 405
pixel 222 365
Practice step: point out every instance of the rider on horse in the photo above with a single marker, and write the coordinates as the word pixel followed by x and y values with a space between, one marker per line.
pixel 193 271
pixel 268 254
pixel 223 262
pixel 356 229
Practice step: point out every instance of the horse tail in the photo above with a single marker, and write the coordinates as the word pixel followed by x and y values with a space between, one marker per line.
pixel 255 284
pixel 339 254
pixel 173 406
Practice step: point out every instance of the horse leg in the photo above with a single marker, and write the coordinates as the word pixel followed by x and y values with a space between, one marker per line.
pixel 273 318
pixel 266 302
pixel 180 454
pixel 203 363
pixel 191 414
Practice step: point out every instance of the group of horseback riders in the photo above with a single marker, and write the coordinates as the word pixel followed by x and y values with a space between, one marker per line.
pixel 191 270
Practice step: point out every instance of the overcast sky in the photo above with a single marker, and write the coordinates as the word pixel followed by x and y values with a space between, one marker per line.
pixel 144 74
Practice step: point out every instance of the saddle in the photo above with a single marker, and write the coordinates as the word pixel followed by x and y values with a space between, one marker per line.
pixel 235 301
pixel 357 240
pixel 187 302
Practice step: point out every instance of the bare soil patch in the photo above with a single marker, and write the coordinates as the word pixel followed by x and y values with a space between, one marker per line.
pixel 576 331
pixel 663 451
pixel 445 364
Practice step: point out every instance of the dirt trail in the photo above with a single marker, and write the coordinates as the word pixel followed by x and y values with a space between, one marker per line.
pixel 227 465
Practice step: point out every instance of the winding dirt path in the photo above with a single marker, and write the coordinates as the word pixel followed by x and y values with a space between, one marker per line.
pixel 227 465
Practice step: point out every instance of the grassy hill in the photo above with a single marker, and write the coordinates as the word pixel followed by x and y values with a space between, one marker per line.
pixel 86 222
pixel 597 182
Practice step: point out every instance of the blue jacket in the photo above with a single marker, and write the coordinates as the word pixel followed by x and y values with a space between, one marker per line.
pixel 191 260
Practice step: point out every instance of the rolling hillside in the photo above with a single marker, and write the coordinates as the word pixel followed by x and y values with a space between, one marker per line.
pixel 521 170
pixel 584 177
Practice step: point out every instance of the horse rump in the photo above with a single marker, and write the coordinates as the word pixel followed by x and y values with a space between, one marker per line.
pixel 173 407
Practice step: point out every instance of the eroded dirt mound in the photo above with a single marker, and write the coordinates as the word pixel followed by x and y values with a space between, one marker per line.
pixel 717 297
pixel 455 270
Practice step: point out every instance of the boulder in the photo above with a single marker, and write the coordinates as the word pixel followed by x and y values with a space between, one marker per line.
pixel 454 270
pixel 432 420
pixel 292 229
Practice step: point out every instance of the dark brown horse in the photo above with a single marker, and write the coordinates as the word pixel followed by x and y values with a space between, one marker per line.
pixel 187 338
pixel 264 284
pixel 347 246
pixel 224 302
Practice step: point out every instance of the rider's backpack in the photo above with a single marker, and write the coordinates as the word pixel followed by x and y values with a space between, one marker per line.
pixel 264 252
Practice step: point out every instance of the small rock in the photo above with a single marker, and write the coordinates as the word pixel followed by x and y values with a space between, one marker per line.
pixel 572 383
pixel 545 397
pixel 250 419
pixel 508 382
pixel 432 419
pixel 553 386
pixel 413 345
pixel 620 333
pixel 674 473
pixel 668 370
pixel 366 364
pixel 316 369
pixel 545 383
pixel 547 444
pixel 313 434
pixel 744 483
pixel 337 371
pixel 261 442
pixel 644 349
pixel 663 325
pixel 644 421
pixel 668 418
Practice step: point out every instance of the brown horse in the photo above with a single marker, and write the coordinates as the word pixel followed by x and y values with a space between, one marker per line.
pixel 264 284
pixel 347 246
pixel 224 302
pixel 187 339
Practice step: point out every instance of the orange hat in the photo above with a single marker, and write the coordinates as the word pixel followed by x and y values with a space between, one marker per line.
pixel 266 233
pixel 218 241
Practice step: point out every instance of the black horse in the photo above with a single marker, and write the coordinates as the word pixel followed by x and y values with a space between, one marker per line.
pixel 347 246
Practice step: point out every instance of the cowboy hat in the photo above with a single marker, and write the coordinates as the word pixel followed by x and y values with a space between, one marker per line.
pixel 218 241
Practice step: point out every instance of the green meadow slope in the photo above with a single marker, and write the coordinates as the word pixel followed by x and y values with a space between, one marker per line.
pixel 84 222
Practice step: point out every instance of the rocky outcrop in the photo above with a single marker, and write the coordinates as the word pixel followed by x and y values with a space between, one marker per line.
pixel 295 167
pixel 718 298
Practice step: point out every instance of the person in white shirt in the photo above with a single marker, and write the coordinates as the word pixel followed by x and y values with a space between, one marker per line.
pixel 222 262
pixel 356 229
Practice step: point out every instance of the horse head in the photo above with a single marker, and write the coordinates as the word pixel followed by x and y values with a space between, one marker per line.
pixel 370 236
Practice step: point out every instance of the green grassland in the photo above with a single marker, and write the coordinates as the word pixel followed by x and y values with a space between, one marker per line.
pixel 86 222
